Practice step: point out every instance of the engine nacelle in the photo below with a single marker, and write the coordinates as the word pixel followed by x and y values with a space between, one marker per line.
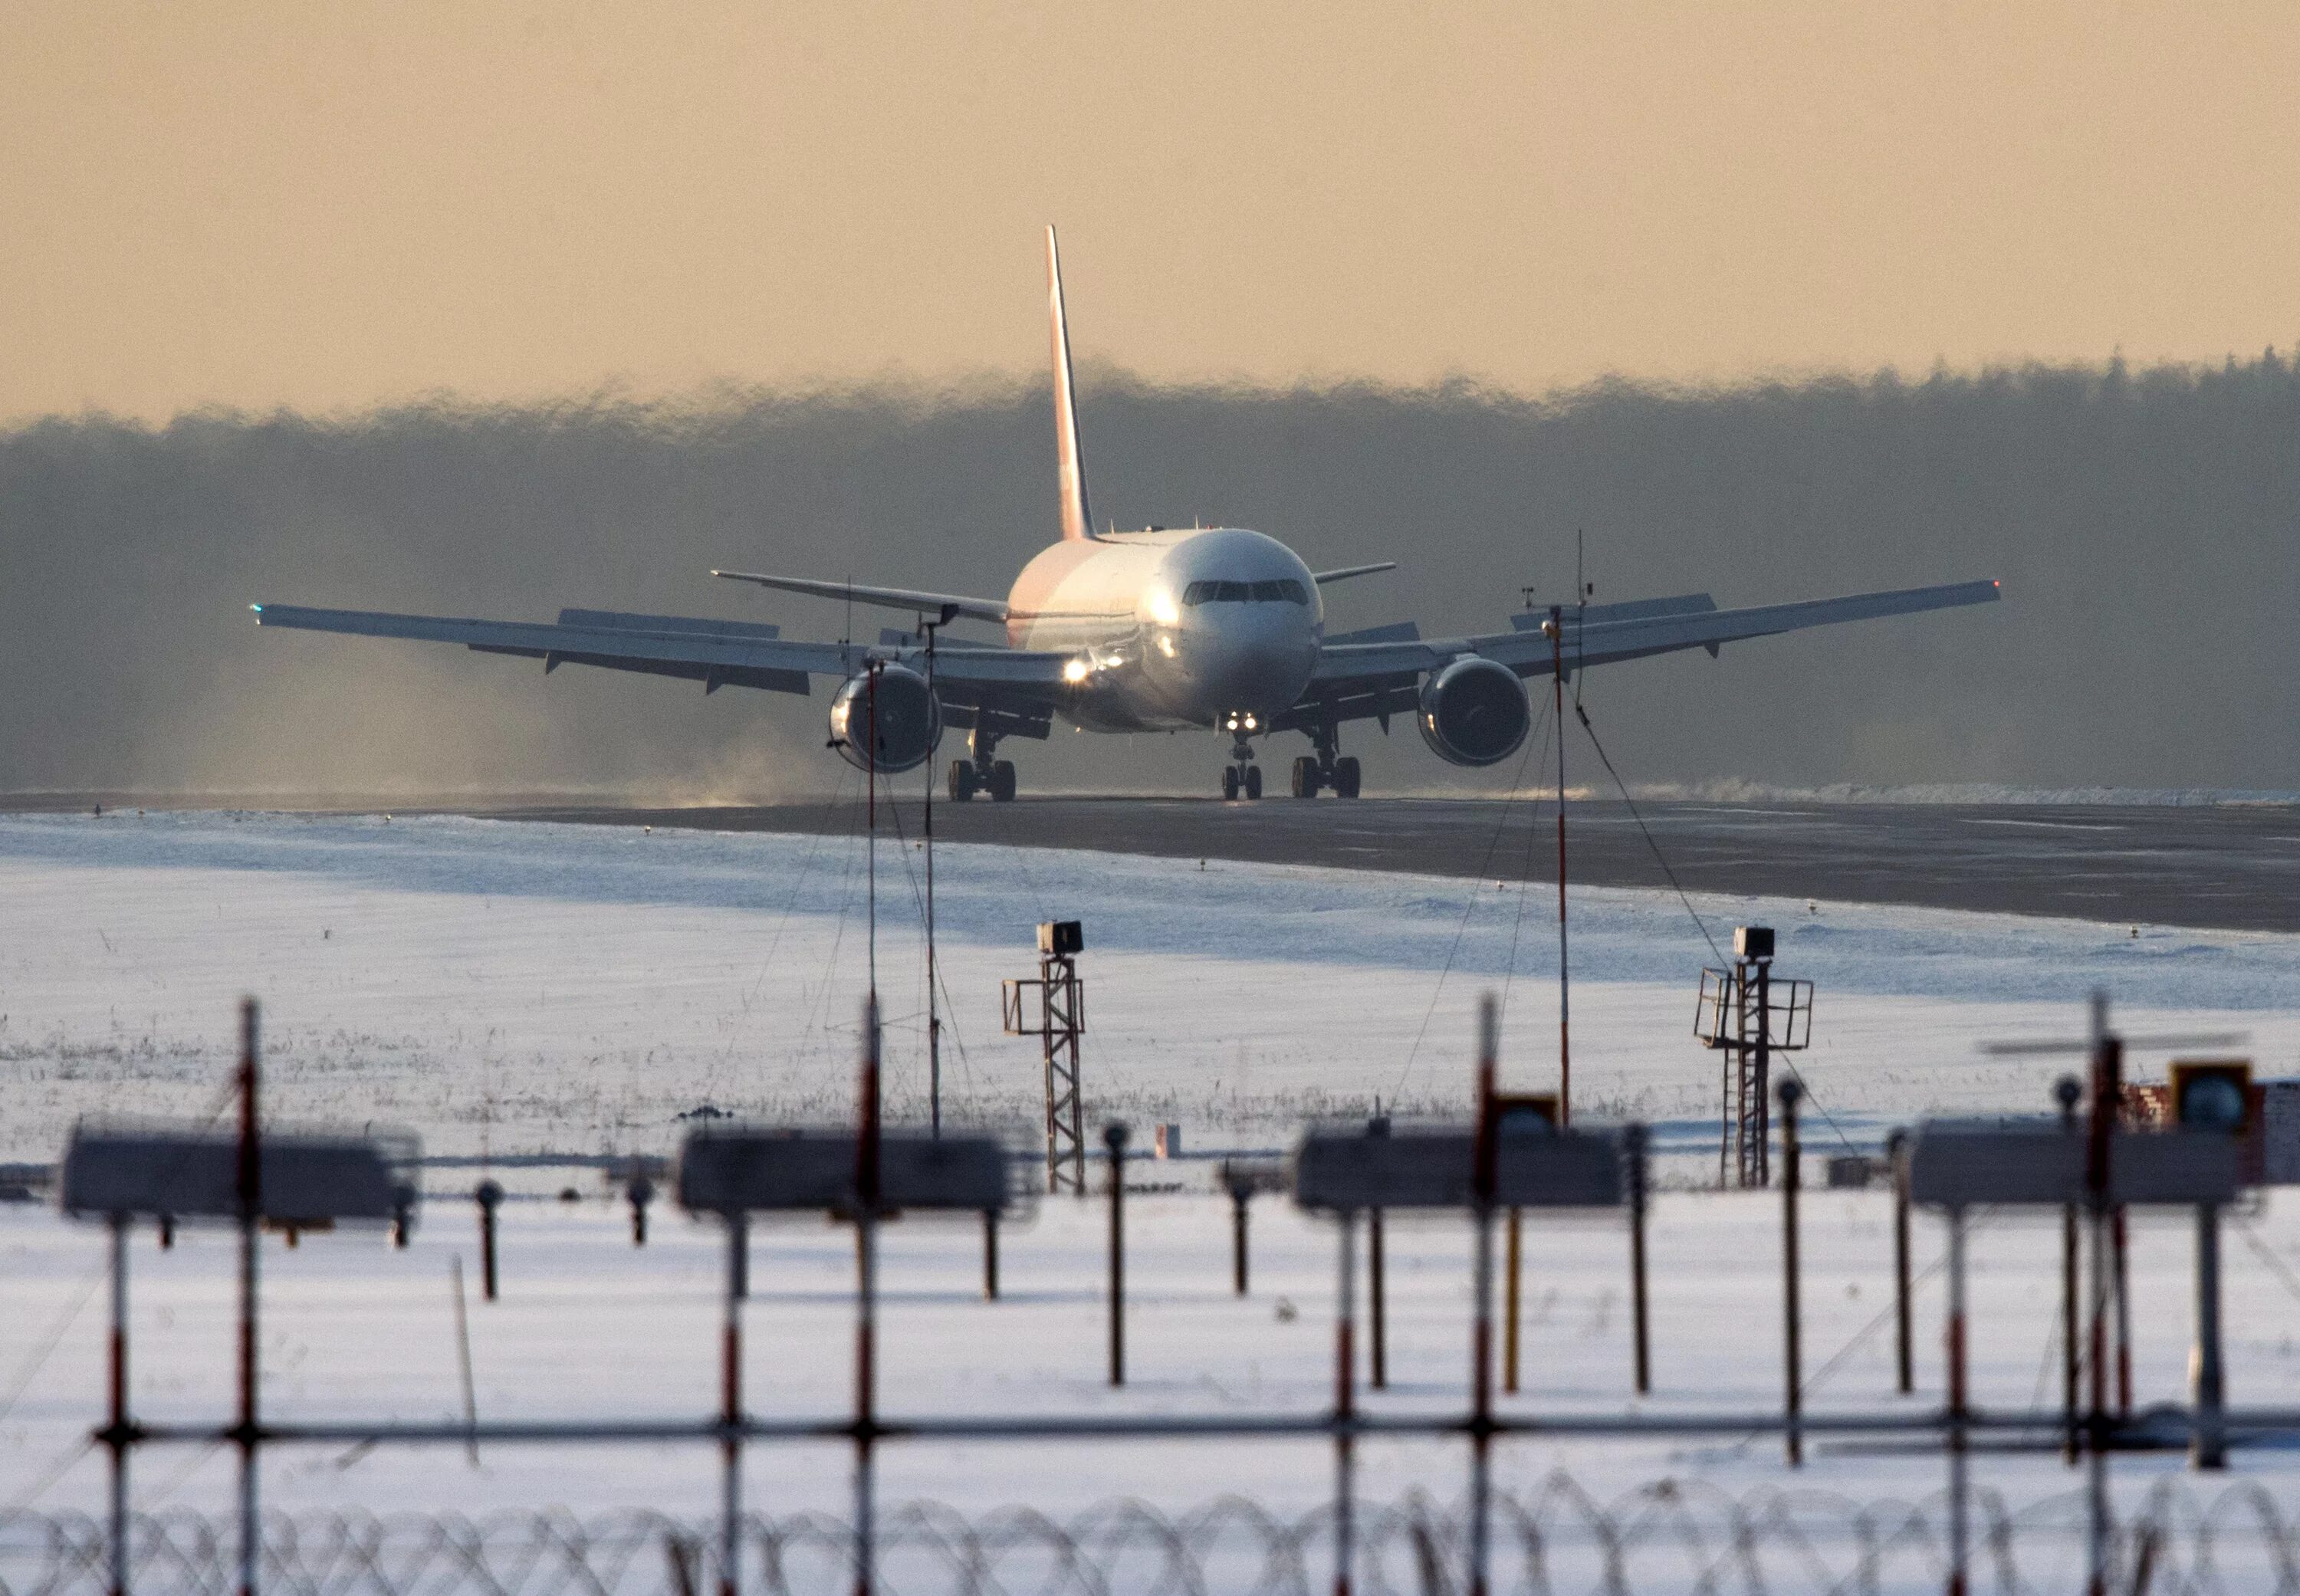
pixel 1473 712
pixel 909 719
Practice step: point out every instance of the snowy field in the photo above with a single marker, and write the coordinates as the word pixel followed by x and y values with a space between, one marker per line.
pixel 514 987
pixel 522 988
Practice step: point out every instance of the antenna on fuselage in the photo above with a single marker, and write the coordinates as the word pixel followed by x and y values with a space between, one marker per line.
pixel 1078 522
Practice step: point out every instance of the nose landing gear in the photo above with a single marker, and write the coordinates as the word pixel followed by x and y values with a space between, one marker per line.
pixel 1241 777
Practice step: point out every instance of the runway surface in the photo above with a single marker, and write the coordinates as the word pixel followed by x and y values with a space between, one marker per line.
pixel 2230 867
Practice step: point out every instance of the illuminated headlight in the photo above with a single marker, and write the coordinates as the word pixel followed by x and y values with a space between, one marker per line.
pixel 1075 671
pixel 1249 723
pixel 1232 724
pixel 1164 611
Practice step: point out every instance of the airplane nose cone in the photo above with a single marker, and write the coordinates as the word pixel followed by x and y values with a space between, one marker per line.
pixel 1262 669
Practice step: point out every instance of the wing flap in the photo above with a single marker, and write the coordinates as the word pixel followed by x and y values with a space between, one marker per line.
pixel 717 653
pixel 1363 674
pixel 890 598
pixel 1687 603
pixel 1607 643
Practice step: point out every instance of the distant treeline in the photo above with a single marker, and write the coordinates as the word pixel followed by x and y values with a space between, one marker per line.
pixel 2145 525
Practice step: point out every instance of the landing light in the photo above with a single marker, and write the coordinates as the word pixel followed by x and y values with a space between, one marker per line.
pixel 1166 645
pixel 1163 610
pixel 1075 671
pixel 1249 723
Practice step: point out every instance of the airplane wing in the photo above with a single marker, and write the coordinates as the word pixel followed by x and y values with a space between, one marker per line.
pixel 952 604
pixel 1381 677
pixel 717 653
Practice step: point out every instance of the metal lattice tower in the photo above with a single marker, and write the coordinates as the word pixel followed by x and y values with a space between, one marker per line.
pixel 1746 1015
pixel 1058 1022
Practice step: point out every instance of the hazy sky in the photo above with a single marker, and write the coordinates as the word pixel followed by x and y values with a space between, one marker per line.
pixel 325 206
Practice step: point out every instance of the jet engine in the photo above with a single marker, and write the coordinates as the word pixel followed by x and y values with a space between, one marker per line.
pixel 909 719
pixel 1473 712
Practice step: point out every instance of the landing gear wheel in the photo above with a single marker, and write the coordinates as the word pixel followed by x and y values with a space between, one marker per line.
pixel 1253 781
pixel 1306 779
pixel 962 780
pixel 1001 781
pixel 1230 783
pixel 1346 778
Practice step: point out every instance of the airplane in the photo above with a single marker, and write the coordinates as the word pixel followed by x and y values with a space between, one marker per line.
pixel 1159 629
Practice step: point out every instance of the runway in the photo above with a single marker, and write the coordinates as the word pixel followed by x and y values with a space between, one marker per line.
pixel 2227 868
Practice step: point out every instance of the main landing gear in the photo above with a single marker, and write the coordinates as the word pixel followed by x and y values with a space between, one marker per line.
pixel 982 773
pixel 1241 777
pixel 1325 769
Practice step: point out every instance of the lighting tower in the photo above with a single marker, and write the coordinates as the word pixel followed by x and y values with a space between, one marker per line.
pixel 1746 1015
pixel 1058 1022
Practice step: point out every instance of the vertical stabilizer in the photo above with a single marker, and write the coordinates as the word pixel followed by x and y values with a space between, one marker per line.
pixel 1077 521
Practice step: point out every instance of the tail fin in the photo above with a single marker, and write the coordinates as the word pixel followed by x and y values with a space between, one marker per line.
pixel 1077 521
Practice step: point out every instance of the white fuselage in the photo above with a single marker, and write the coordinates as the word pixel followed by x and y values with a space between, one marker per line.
pixel 1172 628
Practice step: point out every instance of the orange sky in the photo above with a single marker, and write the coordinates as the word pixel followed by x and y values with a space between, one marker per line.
pixel 329 206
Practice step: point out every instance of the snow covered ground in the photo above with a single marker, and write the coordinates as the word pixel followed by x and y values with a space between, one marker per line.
pixel 517 988
pixel 523 987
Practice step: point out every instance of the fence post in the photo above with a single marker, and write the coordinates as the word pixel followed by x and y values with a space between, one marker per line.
pixel 1958 1533
pixel 2119 1235
pixel 1344 1401
pixel 489 1196
pixel 1377 1277
pixel 1905 1362
pixel 250 1191
pixel 1513 1253
pixel 1634 1140
pixel 2068 1092
pixel 641 1192
pixel 1240 1194
pixel 1114 1137
pixel 990 1255
pixel 2107 1091
pixel 867 1193
pixel 1376 1302
pixel 1791 1340
pixel 2208 1447
pixel 730 1417
pixel 116 1435
pixel 1484 1184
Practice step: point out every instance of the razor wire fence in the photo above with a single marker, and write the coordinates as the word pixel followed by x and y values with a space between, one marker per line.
pixel 1670 1536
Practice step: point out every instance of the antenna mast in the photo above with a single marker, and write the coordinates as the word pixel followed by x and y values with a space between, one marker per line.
pixel 1564 989
pixel 870 778
pixel 934 1013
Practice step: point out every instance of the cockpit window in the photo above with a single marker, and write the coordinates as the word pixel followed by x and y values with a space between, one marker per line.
pixel 1286 592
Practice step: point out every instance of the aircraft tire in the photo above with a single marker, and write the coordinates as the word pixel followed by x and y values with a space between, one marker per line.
pixel 962 780
pixel 1230 783
pixel 1001 781
pixel 1305 776
pixel 1253 781
pixel 1346 778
